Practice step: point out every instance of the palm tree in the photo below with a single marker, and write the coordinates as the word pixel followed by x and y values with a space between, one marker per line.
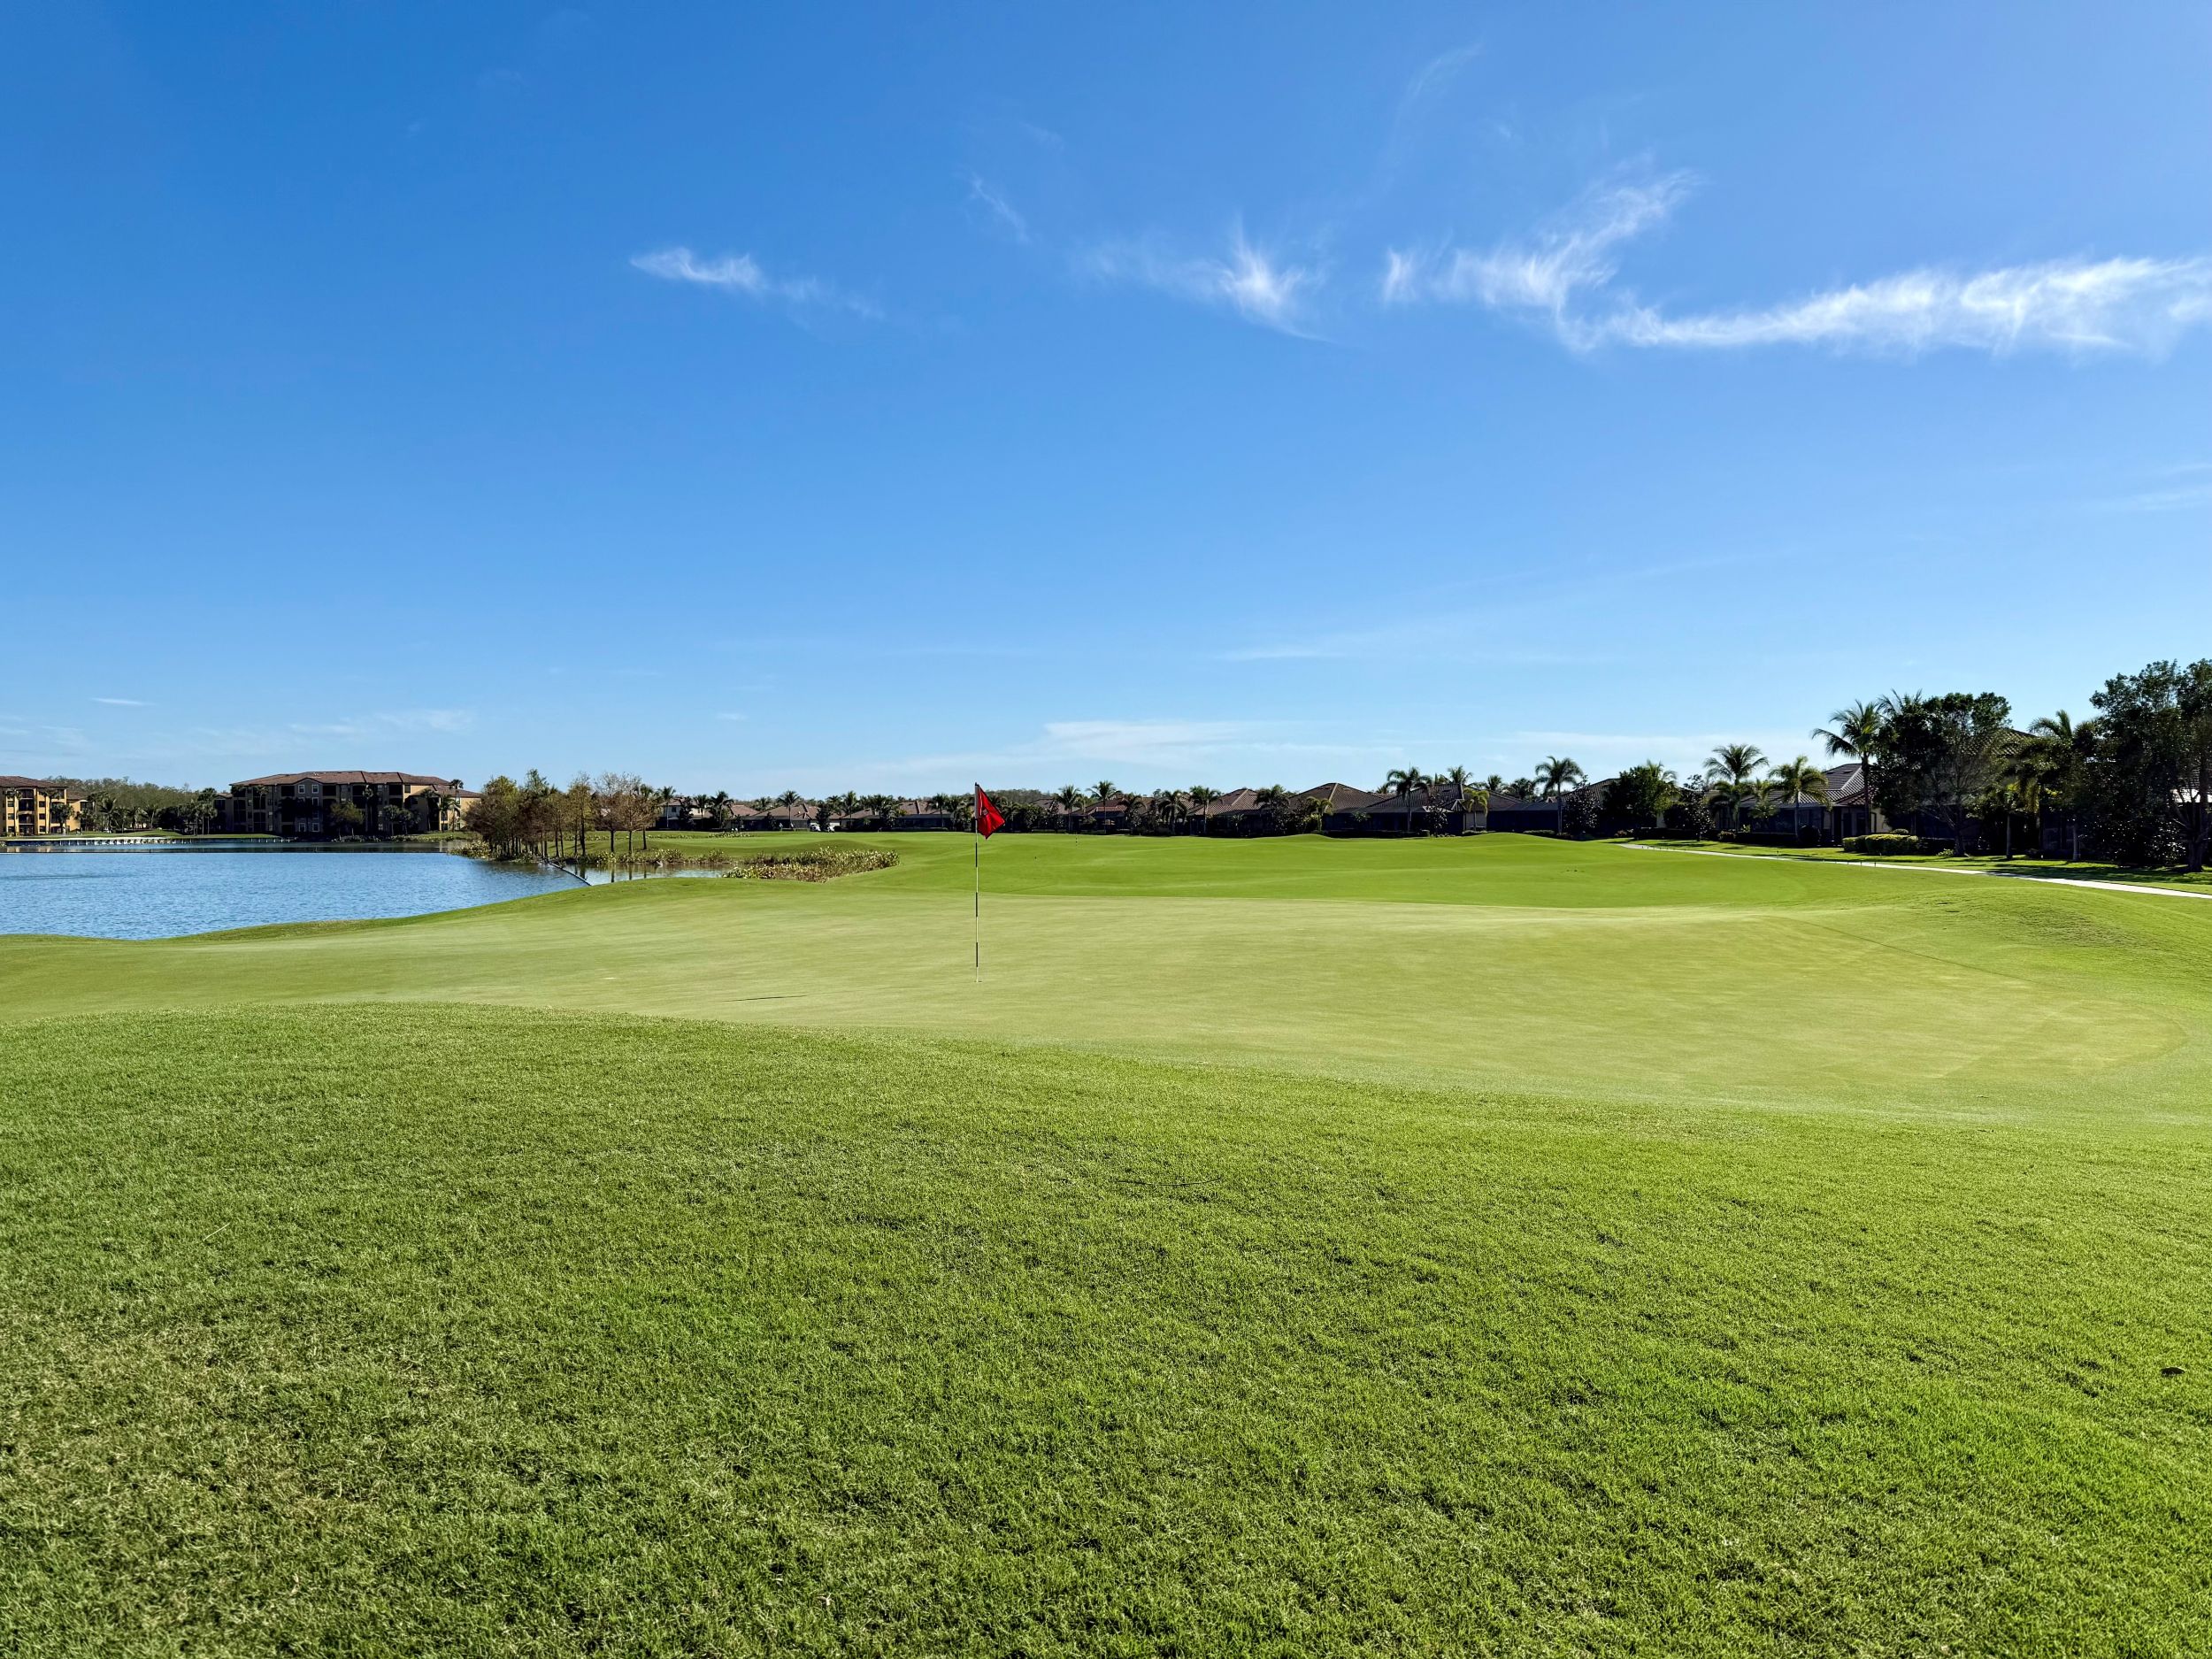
pixel 1494 785
pixel 2027 769
pixel 1857 730
pixel 1276 805
pixel 1070 797
pixel 1404 782
pixel 2064 750
pixel 1736 762
pixel 1556 776
pixel 1104 792
pixel 1201 798
pixel 1522 789
pixel 1729 795
pixel 1733 764
pixel 1798 779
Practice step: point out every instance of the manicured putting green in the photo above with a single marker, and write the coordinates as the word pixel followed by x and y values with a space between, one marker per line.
pixel 1504 961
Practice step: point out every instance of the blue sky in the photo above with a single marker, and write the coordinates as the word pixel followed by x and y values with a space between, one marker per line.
pixel 888 396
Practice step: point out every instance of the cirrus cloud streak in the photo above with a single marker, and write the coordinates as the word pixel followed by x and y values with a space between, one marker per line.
pixel 1565 273
pixel 741 274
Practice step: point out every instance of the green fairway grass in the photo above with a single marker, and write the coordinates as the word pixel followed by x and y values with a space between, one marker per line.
pixel 1994 864
pixel 1291 1246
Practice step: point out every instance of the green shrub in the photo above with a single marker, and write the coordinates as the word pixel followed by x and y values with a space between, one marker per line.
pixel 1883 845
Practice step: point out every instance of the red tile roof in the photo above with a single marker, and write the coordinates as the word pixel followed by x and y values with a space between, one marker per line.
pixel 275 778
pixel 1341 797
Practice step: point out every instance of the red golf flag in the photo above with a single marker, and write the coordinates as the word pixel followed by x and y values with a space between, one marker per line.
pixel 987 818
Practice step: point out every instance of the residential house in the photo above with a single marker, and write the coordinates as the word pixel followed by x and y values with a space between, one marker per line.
pixel 1233 812
pixel 1440 809
pixel 920 815
pixel 1849 811
pixel 1343 809
pixel 1524 815
pixel 684 812
pixel 39 806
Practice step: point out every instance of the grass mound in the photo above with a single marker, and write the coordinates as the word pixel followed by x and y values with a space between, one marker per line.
pixel 813 864
pixel 409 1329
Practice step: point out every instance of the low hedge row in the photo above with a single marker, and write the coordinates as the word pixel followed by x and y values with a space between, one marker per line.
pixel 1887 845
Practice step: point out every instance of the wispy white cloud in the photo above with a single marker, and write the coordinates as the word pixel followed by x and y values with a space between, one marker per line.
pixel 1481 621
pixel 729 717
pixel 1572 255
pixel 1151 749
pixel 2181 487
pixel 1686 753
pixel 1565 273
pixel 1248 280
pixel 2135 306
pixel 21 737
pixel 1444 638
pixel 122 702
pixel 991 203
pixel 389 721
pixel 1143 741
pixel 1423 96
pixel 741 274
pixel 1436 74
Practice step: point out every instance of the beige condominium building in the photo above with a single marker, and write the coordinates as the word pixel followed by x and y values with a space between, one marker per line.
pixel 318 806
pixel 38 806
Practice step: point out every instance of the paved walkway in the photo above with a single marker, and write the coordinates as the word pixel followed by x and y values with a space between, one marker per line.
pixel 1932 869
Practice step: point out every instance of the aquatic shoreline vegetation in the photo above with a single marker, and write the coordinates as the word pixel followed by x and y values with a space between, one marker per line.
pixel 814 863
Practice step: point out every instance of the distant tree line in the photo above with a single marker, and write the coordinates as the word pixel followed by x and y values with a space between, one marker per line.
pixel 117 804
pixel 2131 783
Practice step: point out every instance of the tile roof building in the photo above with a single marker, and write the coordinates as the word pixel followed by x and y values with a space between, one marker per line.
pixel 39 806
pixel 318 806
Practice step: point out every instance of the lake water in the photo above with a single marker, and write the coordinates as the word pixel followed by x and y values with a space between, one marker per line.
pixel 159 891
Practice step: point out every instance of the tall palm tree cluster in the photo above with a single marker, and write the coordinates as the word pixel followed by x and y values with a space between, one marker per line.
pixel 2132 782
pixel 1735 784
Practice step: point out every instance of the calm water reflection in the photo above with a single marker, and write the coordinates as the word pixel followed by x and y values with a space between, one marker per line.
pixel 159 891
